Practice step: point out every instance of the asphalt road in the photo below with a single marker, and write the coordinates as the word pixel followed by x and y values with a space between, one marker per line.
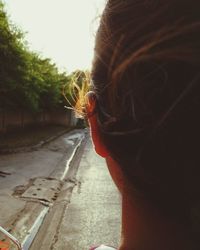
pixel 31 181
pixel 67 207
pixel 92 217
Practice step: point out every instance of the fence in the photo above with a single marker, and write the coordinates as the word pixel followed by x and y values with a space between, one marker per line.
pixel 10 120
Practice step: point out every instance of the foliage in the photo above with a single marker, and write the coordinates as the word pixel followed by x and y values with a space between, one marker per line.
pixel 27 80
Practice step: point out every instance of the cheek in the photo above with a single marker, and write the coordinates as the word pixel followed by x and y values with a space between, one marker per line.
pixel 115 173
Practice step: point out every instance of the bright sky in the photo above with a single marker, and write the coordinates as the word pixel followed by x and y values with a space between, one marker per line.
pixel 62 30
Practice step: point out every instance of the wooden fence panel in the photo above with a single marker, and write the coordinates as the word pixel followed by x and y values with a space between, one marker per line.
pixel 10 120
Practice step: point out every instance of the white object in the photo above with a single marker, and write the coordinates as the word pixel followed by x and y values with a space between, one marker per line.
pixel 103 247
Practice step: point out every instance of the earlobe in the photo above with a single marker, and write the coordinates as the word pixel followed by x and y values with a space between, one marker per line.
pixel 96 137
pixel 94 126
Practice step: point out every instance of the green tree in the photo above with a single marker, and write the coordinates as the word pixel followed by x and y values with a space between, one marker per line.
pixel 27 80
pixel 12 64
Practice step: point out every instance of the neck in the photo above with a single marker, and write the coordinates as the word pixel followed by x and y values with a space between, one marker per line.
pixel 143 228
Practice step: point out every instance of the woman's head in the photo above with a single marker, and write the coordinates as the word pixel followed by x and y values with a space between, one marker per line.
pixel 146 78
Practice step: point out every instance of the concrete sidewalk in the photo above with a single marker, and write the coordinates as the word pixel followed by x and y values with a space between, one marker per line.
pixel 93 215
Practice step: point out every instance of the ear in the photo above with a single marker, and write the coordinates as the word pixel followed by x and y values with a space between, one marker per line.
pixel 94 126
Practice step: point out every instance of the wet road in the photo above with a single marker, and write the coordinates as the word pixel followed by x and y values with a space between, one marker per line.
pixel 86 211
pixel 93 215
pixel 31 181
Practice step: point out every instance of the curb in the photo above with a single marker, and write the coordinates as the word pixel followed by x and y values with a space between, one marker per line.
pixel 47 233
pixel 54 212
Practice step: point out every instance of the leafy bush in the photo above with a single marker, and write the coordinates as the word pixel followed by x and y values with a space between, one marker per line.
pixel 27 81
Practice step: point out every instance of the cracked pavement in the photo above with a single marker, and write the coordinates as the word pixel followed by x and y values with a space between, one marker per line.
pixel 48 204
pixel 30 182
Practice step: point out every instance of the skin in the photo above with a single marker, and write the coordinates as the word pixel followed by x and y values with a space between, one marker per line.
pixel 143 227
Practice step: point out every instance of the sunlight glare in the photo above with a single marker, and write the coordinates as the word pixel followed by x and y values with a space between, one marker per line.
pixel 62 30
